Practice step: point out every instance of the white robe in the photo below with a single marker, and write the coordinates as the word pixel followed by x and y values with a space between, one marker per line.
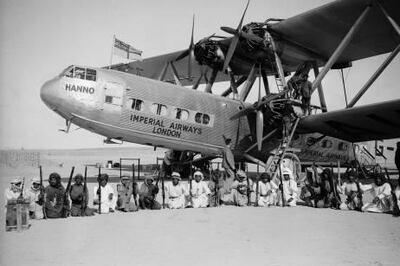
pixel 200 192
pixel 33 196
pixel 175 195
pixel 106 203
pixel 267 193
pixel 382 194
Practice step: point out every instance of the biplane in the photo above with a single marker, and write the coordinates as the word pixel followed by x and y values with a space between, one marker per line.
pixel 157 102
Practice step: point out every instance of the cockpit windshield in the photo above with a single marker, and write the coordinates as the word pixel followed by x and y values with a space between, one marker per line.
pixel 79 72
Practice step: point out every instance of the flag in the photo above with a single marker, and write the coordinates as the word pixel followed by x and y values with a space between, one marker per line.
pixel 126 51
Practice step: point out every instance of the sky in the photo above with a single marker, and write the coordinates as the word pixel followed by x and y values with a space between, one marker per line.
pixel 39 38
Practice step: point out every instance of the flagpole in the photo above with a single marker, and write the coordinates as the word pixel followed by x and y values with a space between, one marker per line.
pixel 112 52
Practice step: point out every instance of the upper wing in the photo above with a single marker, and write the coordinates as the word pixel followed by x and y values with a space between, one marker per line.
pixel 319 31
pixel 152 67
pixel 363 123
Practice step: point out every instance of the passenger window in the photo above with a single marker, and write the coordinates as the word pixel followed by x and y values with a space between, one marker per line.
pixel 326 144
pixel 70 73
pixel 181 114
pixel 136 104
pixel 342 146
pixel 206 119
pixel 109 99
pixel 79 73
pixel 90 74
pixel 159 109
pixel 197 117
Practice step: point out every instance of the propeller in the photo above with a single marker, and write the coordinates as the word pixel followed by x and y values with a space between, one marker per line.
pixel 258 105
pixel 237 33
pixel 188 52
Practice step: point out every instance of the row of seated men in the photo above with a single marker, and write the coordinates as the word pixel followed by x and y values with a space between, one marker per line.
pixel 238 191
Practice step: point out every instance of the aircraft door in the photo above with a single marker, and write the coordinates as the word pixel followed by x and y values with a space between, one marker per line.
pixel 113 96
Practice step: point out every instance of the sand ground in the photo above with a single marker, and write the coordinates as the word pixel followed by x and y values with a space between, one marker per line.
pixel 213 236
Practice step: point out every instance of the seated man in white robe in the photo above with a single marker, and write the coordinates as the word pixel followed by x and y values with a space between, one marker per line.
pixel 241 189
pixel 381 191
pixel 289 189
pixel 266 191
pixel 351 189
pixel 108 200
pixel 200 191
pixel 175 192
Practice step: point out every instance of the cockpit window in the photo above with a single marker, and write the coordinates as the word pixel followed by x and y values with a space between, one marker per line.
pixel 80 73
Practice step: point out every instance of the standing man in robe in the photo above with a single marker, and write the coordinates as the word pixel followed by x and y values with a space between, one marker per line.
pixel 199 191
pixel 228 161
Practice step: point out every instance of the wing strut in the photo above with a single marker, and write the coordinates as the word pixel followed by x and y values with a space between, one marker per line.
pixel 320 89
pixel 382 67
pixel 342 46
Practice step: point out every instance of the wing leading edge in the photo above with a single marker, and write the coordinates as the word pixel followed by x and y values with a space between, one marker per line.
pixel 369 122
pixel 320 30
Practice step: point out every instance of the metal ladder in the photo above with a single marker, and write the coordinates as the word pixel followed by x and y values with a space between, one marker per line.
pixel 281 151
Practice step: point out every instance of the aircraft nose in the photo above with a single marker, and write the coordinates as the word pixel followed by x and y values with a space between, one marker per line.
pixel 48 92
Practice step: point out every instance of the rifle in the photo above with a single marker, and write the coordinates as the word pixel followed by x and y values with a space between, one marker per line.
pixel 396 210
pixel 359 196
pixel 334 189
pixel 133 184
pixel 190 186
pixel 85 194
pixel 99 190
pixel 20 198
pixel 42 195
pixel 65 211
pixel 248 190
pixel 257 184
pixel 281 177
pixel 163 190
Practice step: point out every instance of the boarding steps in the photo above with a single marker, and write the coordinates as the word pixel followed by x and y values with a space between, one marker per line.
pixel 281 151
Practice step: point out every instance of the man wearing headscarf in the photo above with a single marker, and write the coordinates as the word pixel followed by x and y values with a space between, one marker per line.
pixel 148 193
pixel 176 192
pixel 351 191
pixel 289 189
pixel 35 199
pixel 79 195
pixel 106 192
pixel 14 191
pixel 266 191
pixel 12 196
pixel 127 195
pixel 54 200
pixel 199 191
pixel 241 187
pixel 381 192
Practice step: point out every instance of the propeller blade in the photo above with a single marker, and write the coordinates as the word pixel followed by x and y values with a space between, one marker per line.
pixel 191 51
pixel 229 30
pixel 237 33
pixel 183 55
pixel 211 81
pixel 230 52
pixel 259 129
pixel 239 28
pixel 243 112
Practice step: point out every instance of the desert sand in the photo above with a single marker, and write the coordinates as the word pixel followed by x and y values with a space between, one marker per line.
pixel 224 235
